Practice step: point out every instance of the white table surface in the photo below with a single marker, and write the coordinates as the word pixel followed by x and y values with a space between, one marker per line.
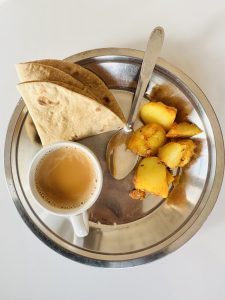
pixel 195 42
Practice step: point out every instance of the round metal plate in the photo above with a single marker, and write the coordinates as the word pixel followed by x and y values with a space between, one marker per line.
pixel 124 232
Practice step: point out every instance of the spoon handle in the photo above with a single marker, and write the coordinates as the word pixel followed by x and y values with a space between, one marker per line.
pixel 154 46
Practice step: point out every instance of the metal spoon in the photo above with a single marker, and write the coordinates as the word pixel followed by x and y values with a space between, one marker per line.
pixel 121 160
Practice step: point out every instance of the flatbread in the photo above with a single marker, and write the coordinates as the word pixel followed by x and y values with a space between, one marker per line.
pixel 61 114
pixel 29 124
pixel 68 86
pixel 95 85
pixel 34 71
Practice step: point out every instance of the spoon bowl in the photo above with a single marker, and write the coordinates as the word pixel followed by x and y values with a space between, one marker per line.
pixel 120 159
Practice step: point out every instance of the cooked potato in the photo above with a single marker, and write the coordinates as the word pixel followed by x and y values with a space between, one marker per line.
pixel 183 129
pixel 137 194
pixel 188 153
pixel 158 112
pixel 151 177
pixel 171 154
pixel 146 140
pixel 177 154
pixel 169 177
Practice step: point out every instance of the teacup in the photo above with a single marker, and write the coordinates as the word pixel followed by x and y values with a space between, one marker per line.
pixel 42 187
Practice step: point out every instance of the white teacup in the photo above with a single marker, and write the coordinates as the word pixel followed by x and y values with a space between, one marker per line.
pixel 78 215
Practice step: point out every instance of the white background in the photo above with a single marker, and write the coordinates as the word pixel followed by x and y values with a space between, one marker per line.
pixel 195 42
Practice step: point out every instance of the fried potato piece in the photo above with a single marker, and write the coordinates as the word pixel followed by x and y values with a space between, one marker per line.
pixel 169 177
pixel 188 153
pixel 151 177
pixel 146 140
pixel 158 112
pixel 171 154
pixel 137 194
pixel 183 129
pixel 177 154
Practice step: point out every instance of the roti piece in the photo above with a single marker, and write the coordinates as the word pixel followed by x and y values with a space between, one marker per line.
pixel 61 114
pixel 29 124
pixel 35 71
pixel 68 86
pixel 89 79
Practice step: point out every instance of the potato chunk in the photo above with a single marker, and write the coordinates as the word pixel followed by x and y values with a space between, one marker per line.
pixel 177 154
pixel 146 140
pixel 137 194
pixel 183 129
pixel 151 177
pixel 188 153
pixel 158 112
pixel 171 154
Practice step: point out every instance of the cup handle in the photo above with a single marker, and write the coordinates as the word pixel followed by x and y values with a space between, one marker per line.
pixel 80 224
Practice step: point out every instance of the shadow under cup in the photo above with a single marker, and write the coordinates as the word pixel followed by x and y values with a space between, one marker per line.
pixel 78 215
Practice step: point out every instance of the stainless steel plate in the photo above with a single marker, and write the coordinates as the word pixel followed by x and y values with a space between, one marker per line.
pixel 125 232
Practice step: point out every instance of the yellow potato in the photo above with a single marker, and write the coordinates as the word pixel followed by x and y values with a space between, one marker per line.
pixel 188 153
pixel 183 129
pixel 151 176
pixel 158 112
pixel 146 140
pixel 137 194
pixel 171 154
pixel 177 154
pixel 169 177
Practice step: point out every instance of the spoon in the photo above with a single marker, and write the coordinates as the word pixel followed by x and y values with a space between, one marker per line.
pixel 119 158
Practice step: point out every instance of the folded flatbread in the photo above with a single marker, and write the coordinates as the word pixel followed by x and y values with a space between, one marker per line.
pixel 35 71
pixel 74 74
pixel 29 124
pixel 62 114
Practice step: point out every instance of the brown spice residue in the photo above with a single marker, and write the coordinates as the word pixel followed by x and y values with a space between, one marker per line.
pixel 177 197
